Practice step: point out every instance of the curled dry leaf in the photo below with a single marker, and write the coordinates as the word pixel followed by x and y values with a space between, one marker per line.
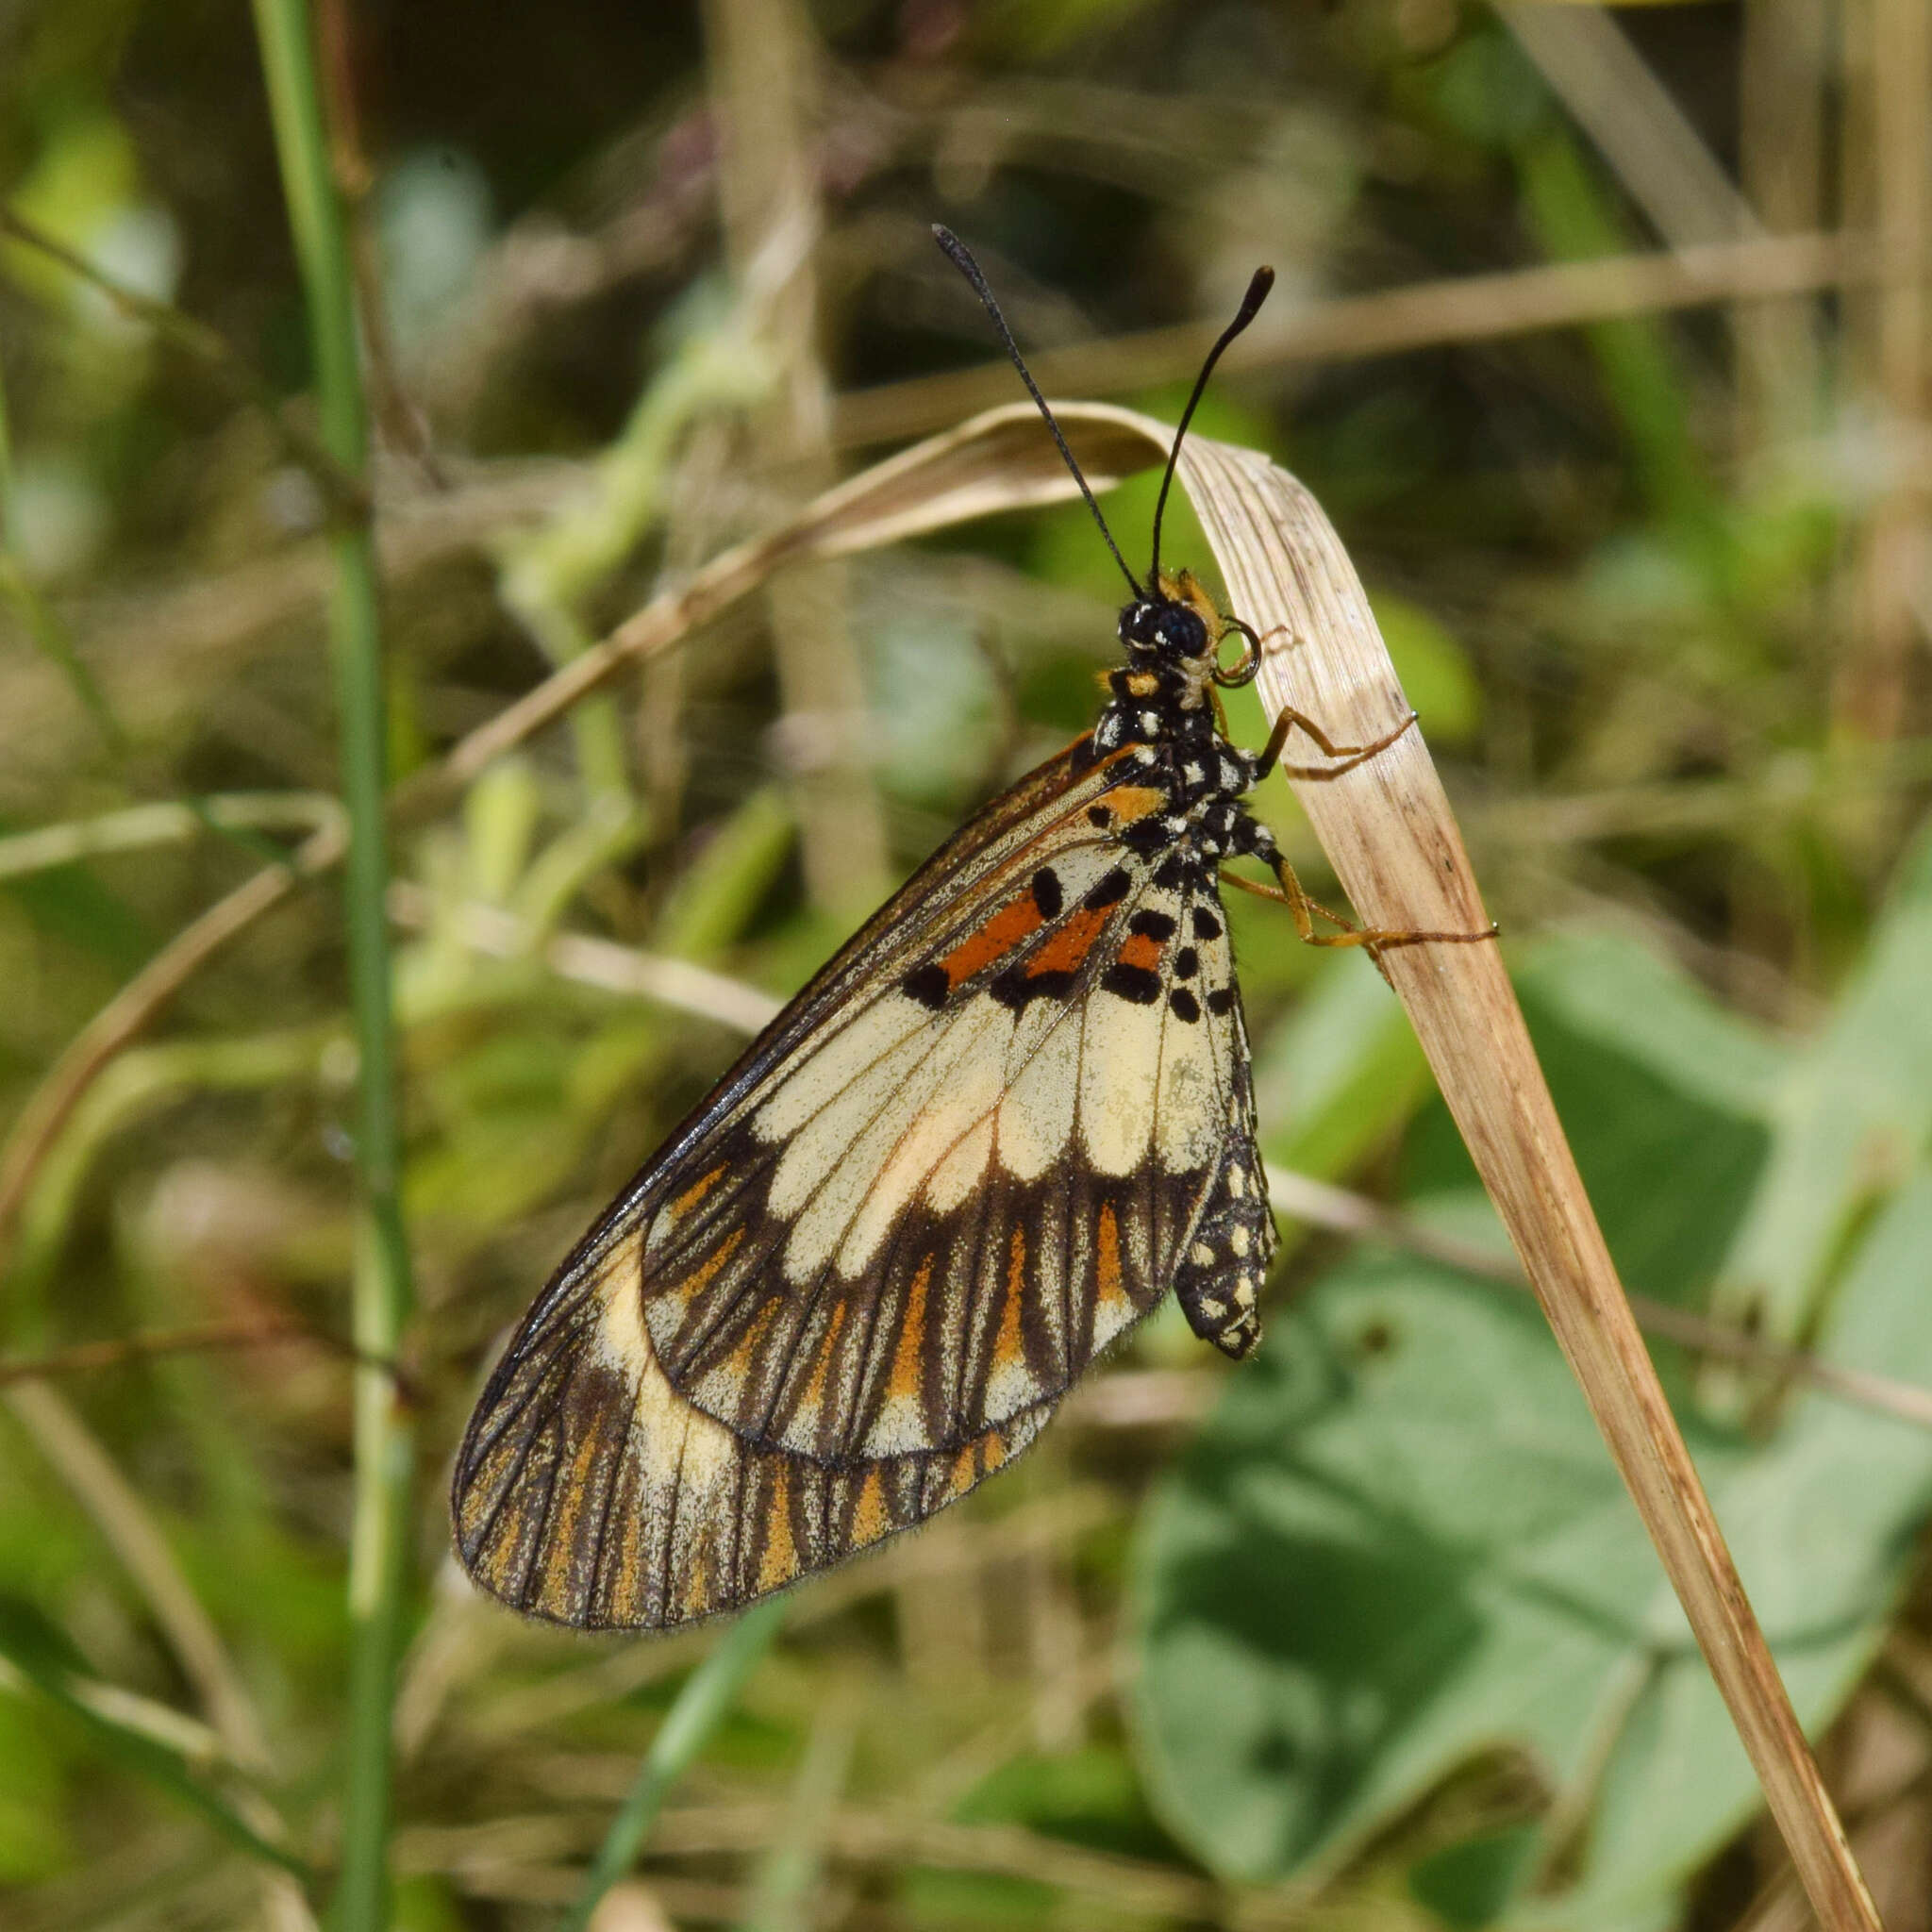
pixel 1387 828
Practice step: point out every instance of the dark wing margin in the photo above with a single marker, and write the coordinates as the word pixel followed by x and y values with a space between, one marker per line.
pixel 587 1492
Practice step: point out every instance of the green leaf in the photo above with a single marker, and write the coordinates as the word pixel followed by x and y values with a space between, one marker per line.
pixel 1399 1544
pixel 1853 1114
pixel 1090 1796
pixel 1606 986
pixel 1467 1884
pixel 1335 1081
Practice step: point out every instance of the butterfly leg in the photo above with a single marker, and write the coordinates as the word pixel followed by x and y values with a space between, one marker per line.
pixel 1352 755
pixel 1260 841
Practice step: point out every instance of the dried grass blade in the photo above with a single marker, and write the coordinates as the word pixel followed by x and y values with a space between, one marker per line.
pixel 1388 829
pixel 999 460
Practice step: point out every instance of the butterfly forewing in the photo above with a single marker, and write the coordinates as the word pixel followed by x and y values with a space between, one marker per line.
pixel 1002 1122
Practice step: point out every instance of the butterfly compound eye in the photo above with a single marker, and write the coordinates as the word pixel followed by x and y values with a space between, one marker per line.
pixel 1186 634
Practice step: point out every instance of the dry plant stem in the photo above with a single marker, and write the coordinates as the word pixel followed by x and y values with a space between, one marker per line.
pixel 1874 684
pixel 1782 66
pixel 1387 828
pixel 200 1338
pixel 1458 308
pixel 1635 122
pixel 764 63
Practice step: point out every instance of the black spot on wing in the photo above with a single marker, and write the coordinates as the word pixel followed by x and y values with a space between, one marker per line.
pixel 1207 926
pixel 1110 889
pixel 1221 999
pixel 926 984
pixel 1184 1005
pixel 1013 987
pixel 1148 836
pixel 1135 983
pixel 1048 894
pixel 1151 925
pixel 1187 962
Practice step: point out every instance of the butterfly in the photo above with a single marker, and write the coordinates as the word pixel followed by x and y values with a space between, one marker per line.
pixel 1009 1116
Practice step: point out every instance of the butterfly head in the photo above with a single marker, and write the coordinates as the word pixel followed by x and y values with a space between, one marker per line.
pixel 1177 624
pixel 1177 630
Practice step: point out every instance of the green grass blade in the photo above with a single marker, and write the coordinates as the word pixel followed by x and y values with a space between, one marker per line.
pixel 41 1656
pixel 385 1448
pixel 701 1706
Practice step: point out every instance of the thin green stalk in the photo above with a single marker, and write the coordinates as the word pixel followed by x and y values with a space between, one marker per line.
pixel 385 1449
pixel 700 1708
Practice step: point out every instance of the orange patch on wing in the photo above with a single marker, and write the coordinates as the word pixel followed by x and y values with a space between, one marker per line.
pixel 751 1344
pixel 685 1202
pixel 965 1471
pixel 493 1565
pixel 703 1273
pixel 1018 920
pixel 1107 1259
pixel 1010 1348
pixel 779 1562
pixel 696 1599
pixel 869 1519
pixel 815 1388
pixel 1141 951
pixel 1133 802
pixel 1066 950
pixel 622 1565
pixel 560 1533
pixel 909 1357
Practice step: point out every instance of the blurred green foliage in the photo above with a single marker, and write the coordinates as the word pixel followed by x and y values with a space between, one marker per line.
pixel 1377 1644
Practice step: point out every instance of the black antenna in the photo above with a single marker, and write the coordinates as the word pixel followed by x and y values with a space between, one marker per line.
pixel 1257 293
pixel 963 261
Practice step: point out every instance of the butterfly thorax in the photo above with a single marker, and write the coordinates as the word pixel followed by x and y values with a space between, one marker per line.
pixel 1158 710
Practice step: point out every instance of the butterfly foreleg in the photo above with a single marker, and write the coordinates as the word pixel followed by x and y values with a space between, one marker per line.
pixel 1349 754
pixel 1258 842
